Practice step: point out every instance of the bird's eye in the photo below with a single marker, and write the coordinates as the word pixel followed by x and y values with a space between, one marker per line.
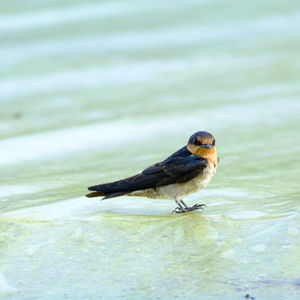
pixel 214 142
pixel 197 142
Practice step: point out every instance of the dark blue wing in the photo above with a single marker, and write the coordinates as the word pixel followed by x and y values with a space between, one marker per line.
pixel 180 167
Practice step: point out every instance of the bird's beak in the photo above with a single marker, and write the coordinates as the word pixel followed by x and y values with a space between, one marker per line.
pixel 206 146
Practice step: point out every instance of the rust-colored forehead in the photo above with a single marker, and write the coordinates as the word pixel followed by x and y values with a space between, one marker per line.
pixel 202 137
pixel 205 139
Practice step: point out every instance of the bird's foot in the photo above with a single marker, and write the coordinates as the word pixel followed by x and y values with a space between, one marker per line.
pixel 180 210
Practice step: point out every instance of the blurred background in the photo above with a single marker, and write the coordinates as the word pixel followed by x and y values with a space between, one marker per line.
pixel 94 91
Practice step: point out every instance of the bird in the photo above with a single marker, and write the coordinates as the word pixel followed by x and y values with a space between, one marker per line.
pixel 186 171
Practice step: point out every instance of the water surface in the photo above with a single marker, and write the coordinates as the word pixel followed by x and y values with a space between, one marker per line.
pixel 94 91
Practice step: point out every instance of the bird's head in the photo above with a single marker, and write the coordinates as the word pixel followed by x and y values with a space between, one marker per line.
pixel 202 143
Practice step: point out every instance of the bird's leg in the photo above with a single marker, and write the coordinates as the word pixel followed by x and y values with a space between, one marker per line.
pixel 185 206
pixel 181 209
pixel 195 206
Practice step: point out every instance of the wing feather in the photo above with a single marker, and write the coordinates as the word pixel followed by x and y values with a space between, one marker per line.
pixel 180 167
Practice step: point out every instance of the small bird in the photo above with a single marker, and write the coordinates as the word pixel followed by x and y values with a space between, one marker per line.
pixel 186 171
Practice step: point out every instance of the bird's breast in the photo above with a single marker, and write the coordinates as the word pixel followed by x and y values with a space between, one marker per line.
pixel 182 189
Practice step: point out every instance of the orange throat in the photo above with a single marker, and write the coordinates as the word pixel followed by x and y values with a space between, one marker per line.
pixel 210 154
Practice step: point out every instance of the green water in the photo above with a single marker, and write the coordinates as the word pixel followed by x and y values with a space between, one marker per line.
pixel 95 91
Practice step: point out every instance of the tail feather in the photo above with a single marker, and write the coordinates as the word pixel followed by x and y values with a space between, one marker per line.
pixel 122 187
pixel 113 195
pixel 95 194
pixel 108 190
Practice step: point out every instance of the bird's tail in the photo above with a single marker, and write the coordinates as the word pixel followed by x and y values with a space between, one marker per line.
pixel 109 190
pixel 94 194
pixel 106 195
pixel 122 187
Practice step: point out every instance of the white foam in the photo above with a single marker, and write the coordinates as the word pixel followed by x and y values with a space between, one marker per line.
pixel 16 190
pixel 5 287
pixel 48 145
pixel 226 192
pixel 86 208
pixel 42 145
pixel 145 39
pixel 258 248
pixel 78 13
pixel 32 249
pixel 59 16
pixel 91 77
pixel 245 215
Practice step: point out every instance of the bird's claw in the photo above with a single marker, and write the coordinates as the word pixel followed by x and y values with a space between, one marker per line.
pixel 198 206
pixel 179 210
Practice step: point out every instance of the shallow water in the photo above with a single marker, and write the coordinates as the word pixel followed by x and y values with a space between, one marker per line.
pixel 95 91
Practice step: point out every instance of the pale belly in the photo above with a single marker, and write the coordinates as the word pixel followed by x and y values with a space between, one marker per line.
pixel 179 190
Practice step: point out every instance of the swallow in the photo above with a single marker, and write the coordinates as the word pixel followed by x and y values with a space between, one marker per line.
pixel 186 171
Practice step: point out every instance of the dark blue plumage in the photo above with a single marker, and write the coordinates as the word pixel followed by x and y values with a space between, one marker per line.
pixel 180 167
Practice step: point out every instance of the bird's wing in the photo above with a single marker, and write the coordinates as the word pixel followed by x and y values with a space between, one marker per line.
pixel 182 166
pixel 178 169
